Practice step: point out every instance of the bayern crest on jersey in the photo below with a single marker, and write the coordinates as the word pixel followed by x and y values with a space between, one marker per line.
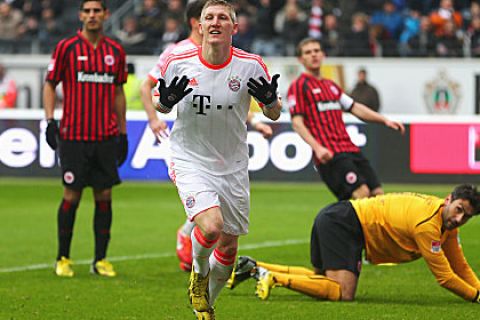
pixel 234 83
pixel 109 60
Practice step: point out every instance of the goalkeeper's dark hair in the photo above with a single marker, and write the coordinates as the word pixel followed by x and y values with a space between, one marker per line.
pixel 102 2
pixel 468 192
pixel 194 10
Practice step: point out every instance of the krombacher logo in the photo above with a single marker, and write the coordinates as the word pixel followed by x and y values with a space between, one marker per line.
pixel 94 77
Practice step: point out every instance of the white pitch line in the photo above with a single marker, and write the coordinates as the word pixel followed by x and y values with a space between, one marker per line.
pixel 266 244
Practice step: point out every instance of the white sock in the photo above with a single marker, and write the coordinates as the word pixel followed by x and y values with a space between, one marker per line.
pixel 201 250
pixel 221 267
pixel 188 227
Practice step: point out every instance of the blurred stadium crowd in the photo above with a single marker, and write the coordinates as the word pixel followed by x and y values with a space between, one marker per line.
pixel 353 28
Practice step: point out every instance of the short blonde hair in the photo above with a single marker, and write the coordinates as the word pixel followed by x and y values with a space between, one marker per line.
pixel 211 3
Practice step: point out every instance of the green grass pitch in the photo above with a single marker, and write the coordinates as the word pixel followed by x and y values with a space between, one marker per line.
pixel 150 285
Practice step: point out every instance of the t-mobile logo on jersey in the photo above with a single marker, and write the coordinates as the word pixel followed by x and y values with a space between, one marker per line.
pixel 204 104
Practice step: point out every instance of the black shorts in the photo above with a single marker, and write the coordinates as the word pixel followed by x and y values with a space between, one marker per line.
pixel 346 172
pixel 91 164
pixel 337 239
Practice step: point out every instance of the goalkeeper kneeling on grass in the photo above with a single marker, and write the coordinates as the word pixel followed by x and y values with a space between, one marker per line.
pixel 392 228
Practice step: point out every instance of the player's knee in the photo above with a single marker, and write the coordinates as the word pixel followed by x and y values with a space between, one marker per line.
pixel 377 191
pixel 361 192
pixel 213 229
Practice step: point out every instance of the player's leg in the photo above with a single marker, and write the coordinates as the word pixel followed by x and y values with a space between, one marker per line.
pixel 369 175
pixel 204 239
pixel 102 176
pixel 317 286
pixel 286 269
pixel 184 245
pixel 221 264
pixel 71 155
pixel 347 281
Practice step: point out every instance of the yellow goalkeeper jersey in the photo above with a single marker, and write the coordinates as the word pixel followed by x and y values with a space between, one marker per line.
pixel 402 227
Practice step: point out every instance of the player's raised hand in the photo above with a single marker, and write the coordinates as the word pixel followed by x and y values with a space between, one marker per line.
pixel 395 126
pixel 264 91
pixel 172 94
pixel 52 133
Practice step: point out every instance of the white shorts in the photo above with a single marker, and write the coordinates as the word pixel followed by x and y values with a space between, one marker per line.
pixel 200 191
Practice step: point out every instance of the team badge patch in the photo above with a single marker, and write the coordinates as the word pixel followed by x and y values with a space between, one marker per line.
pixel 109 60
pixel 190 202
pixel 436 246
pixel 234 84
pixel 68 177
pixel 51 65
pixel 351 177
pixel 334 90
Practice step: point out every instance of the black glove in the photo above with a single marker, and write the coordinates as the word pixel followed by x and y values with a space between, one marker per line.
pixel 265 92
pixel 52 133
pixel 122 151
pixel 171 95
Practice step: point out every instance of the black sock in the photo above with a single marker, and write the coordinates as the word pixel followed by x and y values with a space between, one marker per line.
pixel 65 221
pixel 102 223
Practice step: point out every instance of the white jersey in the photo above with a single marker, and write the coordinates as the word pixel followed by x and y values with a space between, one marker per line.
pixel 210 132
pixel 174 48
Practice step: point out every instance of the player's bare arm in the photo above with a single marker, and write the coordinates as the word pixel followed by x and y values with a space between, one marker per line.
pixel 366 114
pixel 323 154
pixel 121 109
pixel 157 126
pixel 258 125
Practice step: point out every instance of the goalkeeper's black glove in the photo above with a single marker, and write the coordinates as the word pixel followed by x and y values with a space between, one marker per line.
pixel 122 151
pixel 52 133
pixel 477 298
pixel 264 92
pixel 171 95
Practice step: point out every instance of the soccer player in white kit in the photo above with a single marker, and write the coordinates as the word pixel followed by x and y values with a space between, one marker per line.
pixel 159 127
pixel 208 143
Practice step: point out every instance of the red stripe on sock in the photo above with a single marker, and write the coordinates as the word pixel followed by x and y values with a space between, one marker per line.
pixel 223 258
pixel 66 205
pixel 202 240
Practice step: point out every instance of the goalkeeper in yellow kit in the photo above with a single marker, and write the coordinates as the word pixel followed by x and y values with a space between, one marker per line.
pixel 392 228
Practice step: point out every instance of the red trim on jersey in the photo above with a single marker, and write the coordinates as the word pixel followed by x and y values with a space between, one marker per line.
pixel 246 55
pixel 215 66
pixel 152 78
pixel 314 99
pixel 204 242
pixel 184 55
pixel 223 258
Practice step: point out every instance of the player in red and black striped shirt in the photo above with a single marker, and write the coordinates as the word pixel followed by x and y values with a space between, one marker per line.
pixel 316 106
pixel 92 136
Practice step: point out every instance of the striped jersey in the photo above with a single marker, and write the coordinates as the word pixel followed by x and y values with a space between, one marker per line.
pixel 89 76
pixel 402 227
pixel 175 48
pixel 321 102
pixel 210 132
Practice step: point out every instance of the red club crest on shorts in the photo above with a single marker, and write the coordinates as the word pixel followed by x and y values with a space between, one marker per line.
pixel 351 177
pixel 68 177
pixel 190 202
